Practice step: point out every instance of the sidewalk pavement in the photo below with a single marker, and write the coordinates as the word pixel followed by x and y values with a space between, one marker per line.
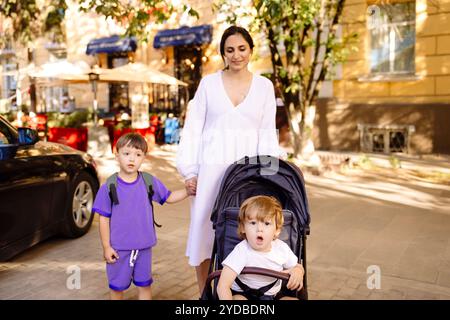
pixel 436 163
pixel 358 224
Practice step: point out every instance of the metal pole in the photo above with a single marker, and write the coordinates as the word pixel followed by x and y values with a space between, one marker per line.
pixel 95 103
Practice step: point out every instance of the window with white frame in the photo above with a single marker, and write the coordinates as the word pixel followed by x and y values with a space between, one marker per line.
pixel 9 81
pixel 392 33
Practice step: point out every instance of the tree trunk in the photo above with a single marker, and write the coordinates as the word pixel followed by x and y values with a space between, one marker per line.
pixel 295 129
pixel 301 131
pixel 307 151
pixel 294 113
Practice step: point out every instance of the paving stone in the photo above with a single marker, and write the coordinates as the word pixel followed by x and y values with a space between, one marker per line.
pixel 346 292
pixel 444 278
pixel 395 295
pixel 353 283
pixel 376 295
pixel 326 294
pixel 362 292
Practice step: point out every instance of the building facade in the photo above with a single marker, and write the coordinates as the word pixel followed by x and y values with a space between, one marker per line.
pixel 393 94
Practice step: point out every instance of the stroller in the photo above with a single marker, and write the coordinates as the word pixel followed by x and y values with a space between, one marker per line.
pixel 250 177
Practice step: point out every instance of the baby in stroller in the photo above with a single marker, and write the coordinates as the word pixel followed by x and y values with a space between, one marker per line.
pixel 248 178
pixel 260 224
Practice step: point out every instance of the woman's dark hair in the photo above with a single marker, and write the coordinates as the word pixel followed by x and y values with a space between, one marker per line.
pixel 232 31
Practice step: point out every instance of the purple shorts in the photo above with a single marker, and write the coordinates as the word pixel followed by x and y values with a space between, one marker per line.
pixel 133 265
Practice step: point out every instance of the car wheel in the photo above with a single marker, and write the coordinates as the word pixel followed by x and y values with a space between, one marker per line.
pixel 79 214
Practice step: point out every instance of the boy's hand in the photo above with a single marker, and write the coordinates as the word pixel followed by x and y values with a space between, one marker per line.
pixel 191 186
pixel 110 255
pixel 296 278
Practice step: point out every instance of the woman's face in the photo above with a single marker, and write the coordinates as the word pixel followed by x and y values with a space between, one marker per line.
pixel 237 52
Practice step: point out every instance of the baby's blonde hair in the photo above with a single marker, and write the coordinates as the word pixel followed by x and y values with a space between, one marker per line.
pixel 266 208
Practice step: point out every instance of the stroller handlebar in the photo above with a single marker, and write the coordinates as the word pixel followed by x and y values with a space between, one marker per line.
pixel 246 270
pixel 265 272
pixel 253 270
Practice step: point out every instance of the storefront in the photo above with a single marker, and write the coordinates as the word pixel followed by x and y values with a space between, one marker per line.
pixel 186 46
pixel 113 52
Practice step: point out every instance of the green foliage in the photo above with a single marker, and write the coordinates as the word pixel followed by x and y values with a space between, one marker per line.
pixel 395 162
pixel 365 162
pixel 53 23
pixel 10 116
pixel 27 21
pixel 23 16
pixel 123 125
pixel 75 119
pixel 136 16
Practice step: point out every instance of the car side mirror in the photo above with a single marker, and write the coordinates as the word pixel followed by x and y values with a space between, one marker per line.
pixel 27 136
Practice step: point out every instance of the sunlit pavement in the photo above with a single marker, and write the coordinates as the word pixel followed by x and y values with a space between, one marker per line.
pixel 360 225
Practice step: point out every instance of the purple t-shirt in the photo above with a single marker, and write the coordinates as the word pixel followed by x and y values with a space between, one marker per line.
pixel 131 225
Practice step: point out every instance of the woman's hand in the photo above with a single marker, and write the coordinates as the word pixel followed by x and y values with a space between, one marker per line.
pixel 191 186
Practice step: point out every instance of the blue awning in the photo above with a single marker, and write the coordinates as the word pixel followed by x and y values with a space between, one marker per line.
pixel 111 44
pixel 183 36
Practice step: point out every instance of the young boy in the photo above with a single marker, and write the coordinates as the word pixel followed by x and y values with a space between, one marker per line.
pixel 260 223
pixel 126 229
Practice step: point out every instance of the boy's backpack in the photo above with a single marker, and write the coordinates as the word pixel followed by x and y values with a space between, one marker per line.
pixel 111 182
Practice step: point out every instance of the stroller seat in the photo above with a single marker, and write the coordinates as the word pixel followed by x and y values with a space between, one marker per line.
pixel 241 181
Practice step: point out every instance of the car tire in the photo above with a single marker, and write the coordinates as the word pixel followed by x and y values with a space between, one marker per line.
pixel 79 214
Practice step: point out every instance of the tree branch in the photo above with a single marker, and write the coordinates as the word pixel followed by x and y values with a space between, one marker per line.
pixel 275 56
pixel 325 65
pixel 315 59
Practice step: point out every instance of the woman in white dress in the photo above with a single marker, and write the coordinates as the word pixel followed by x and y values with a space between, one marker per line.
pixel 231 116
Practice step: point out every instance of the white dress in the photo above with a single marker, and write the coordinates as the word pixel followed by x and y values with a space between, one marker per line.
pixel 216 134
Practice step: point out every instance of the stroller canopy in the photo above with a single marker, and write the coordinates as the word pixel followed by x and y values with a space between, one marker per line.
pixel 265 175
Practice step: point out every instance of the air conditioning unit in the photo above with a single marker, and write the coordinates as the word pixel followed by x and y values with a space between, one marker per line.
pixel 385 138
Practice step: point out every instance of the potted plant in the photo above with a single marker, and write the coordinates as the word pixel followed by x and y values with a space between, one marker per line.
pixel 124 127
pixel 69 129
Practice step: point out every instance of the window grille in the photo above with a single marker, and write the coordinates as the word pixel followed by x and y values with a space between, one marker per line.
pixel 385 139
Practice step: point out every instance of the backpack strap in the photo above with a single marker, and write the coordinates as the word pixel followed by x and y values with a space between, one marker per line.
pixel 148 179
pixel 111 182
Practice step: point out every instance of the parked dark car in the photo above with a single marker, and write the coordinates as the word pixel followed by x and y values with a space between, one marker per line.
pixel 45 189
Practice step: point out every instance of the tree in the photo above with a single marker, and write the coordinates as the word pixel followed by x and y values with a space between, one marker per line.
pixel 136 15
pixel 23 21
pixel 304 45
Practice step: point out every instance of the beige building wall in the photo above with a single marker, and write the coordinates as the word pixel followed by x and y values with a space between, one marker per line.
pixel 431 83
pixel 421 100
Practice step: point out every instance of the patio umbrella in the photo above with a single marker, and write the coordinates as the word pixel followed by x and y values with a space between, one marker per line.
pixel 132 72
pixel 139 72
pixel 54 69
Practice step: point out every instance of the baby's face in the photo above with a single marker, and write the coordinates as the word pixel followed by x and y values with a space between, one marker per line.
pixel 260 234
pixel 130 159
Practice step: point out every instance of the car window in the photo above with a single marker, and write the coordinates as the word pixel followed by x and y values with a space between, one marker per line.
pixel 3 139
pixel 7 136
